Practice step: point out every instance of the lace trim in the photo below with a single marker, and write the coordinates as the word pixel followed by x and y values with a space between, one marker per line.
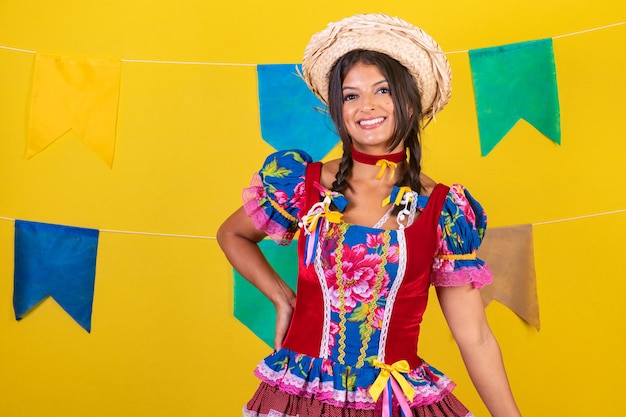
pixel 275 231
pixel 380 223
pixel 278 232
pixel 478 276
pixel 391 298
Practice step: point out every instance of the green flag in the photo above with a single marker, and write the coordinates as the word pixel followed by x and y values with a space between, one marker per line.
pixel 252 308
pixel 512 82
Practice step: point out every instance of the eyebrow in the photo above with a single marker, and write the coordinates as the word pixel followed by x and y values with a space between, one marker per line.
pixel 347 87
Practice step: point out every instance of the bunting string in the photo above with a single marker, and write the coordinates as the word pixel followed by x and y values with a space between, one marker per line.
pixel 132 232
pixel 606 213
pixel 18 49
pixel 149 61
pixel 589 30
pixel 223 64
pixel 184 236
pixel 565 35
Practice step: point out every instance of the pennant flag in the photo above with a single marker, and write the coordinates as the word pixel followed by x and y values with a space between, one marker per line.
pixel 74 94
pixel 252 308
pixel 56 261
pixel 513 82
pixel 291 115
pixel 509 253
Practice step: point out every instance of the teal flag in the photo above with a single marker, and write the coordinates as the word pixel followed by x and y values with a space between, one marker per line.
pixel 252 308
pixel 56 261
pixel 513 82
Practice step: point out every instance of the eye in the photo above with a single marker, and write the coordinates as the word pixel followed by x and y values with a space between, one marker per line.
pixel 383 90
pixel 349 97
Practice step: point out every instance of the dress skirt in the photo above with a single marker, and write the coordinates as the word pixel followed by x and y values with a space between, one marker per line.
pixel 267 400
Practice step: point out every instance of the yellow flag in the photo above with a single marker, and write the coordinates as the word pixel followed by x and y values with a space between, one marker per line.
pixel 79 94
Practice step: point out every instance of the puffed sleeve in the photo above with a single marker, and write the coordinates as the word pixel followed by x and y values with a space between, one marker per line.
pixel 276 194
pixel 460 231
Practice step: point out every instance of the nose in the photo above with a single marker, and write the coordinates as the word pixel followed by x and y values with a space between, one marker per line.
pixel 368 102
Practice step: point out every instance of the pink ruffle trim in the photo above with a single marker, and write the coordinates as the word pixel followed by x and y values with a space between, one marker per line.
pixel 359 398
pixel 262 221
pixel 478 276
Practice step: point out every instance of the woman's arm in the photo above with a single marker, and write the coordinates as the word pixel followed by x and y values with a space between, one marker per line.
pixel 463 309
pixel 238 238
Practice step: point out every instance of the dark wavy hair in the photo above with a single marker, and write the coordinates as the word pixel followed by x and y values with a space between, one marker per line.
pixel 407 111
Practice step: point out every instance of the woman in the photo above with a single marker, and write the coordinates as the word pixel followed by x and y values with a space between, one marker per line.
pixel 375 233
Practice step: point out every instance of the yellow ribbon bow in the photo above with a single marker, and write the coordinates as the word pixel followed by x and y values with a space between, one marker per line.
pixel 318 211
pixel 384 164
pixel 386 371
pixel 401 192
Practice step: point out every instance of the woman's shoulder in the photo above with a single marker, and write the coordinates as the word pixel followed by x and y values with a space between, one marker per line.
pixel 428 185
pixel 329 172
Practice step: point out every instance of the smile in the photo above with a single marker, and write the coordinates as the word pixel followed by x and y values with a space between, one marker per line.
pixel 370 122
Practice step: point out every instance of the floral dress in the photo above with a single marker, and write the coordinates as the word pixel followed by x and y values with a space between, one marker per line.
pixel 351 349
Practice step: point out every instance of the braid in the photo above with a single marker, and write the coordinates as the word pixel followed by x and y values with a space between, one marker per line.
pixel 411 176
pixel 345 168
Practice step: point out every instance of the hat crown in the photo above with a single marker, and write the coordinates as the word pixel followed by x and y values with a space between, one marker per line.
pixel 406 43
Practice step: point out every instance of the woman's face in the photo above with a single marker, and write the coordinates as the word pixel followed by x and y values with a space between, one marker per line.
pixel 368 110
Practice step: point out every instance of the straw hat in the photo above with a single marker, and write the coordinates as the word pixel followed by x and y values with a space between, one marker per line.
pixel 407 44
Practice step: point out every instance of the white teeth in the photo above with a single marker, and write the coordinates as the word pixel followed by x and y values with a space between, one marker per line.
pixel 372 121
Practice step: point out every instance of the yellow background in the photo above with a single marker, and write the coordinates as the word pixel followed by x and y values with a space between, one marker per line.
pixel 164 342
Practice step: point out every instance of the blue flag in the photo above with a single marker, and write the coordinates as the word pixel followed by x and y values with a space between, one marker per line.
pixel 513 82
pixel 291 115
pixel 56 261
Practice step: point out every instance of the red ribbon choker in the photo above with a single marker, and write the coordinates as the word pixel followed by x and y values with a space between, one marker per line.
pixel 373 159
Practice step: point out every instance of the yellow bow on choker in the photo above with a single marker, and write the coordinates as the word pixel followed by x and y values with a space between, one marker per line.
pixel 384 164
pixel 386 371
